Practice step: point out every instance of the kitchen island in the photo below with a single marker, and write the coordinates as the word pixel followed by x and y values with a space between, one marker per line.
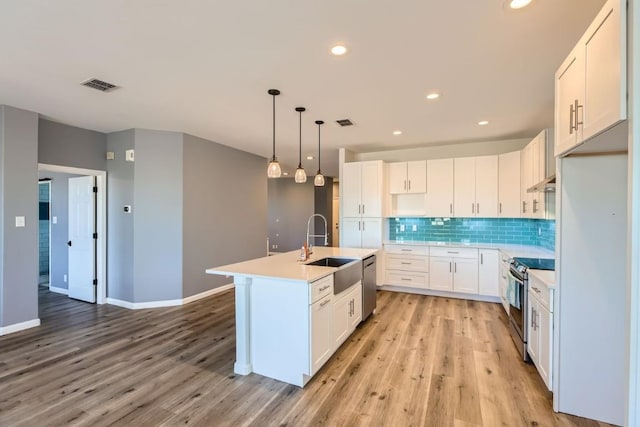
pixel 288 320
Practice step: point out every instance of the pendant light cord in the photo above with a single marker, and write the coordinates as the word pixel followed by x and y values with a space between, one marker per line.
pixel 274 126
pixel 319 147
pixel 300 142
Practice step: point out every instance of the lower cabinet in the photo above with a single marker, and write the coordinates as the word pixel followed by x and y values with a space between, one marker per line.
pixel 407 266
pixel 489 272
pixel 321 332
pixel 454 269
pixel 347 313
pixel 540 329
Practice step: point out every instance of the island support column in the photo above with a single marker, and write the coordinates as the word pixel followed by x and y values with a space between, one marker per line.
pixel 242 365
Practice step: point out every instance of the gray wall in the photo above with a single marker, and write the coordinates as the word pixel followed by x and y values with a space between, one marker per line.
pixel 157 216
pixel 225 210
pixel 120 184
pixel 290 206
pixel 19 197
pixel 59 230
pixel 323 199
pixel 60 144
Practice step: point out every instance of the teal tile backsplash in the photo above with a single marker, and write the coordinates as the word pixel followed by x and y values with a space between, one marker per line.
pixel 476 230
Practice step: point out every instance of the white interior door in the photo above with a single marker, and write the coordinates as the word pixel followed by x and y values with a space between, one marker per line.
pixel 82 248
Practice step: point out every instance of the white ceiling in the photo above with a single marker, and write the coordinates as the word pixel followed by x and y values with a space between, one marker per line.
pixel 204 67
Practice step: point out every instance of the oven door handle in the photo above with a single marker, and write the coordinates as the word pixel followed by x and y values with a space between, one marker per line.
pixel 515 278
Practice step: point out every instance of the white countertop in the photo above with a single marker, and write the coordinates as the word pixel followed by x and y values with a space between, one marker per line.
pixel 525 251
pixel 287 267
pixel 547 278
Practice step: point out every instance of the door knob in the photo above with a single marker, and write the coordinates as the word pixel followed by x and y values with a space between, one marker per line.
pixel 69 243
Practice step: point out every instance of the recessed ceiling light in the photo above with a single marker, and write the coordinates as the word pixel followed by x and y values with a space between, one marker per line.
pixel 397 132
pixel 339 50
pixel 309 157
pixel 518 4
pixel 483 123
pixel 433 95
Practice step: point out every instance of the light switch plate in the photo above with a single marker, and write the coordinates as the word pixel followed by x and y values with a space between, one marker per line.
pixel 111 155
pixel 20 221
pixel 54 219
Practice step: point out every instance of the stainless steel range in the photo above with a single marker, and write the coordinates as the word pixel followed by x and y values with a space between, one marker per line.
pixel 517 296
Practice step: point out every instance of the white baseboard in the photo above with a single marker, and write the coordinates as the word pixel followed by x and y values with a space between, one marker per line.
pixel 208 293
pixel 4 330
pixel 59 290
pixel 168 303
pixel 443 294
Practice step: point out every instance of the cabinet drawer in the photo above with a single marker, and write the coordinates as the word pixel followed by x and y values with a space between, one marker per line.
pixel 454 252
pixel 408 279
pixel 407 263
pixel 320 288
pixel 407 249
pixel 542 292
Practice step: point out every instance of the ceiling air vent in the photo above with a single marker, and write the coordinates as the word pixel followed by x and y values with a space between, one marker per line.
pixel 344 122
pixel 99 85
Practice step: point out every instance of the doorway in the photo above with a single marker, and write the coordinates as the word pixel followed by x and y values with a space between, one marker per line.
pixel 44 231
pixel 64 222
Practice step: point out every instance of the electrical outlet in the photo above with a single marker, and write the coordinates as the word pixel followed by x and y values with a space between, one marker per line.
pixel 401 227
pixel 64 278
pixel 414 227
pixel 539 231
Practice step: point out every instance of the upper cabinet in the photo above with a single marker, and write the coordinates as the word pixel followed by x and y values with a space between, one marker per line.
pixel 509 185
pixel 408 177
pixel 590 88
pixel 439 188
pixel 476 186
pixel 537 163
pixel 362 189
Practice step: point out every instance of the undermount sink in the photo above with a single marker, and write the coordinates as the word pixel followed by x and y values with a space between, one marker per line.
pixel 332 262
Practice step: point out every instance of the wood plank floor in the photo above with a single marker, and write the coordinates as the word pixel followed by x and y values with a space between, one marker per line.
pixel 420 361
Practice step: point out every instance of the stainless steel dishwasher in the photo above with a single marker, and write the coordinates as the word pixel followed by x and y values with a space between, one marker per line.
pixel 369 286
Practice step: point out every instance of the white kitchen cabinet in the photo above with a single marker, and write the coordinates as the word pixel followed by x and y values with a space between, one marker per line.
pixel 322 344
pixel 439 188
pixel 540 328
pixel 535 168
pixel 407 266
pixel 361 233
pixel 505 264
pixel 489 272
pixel 362 189
pixel 509 185
pixel 347 313
pixel 453 269
pixel 590 89
pixel 476 186
pixel 408 177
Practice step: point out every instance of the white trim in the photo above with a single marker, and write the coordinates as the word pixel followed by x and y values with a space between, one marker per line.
pixel 208 293
pixel 168 303
pixel 59 290
pixel 16 327
pixel 101 183
pixel 444 294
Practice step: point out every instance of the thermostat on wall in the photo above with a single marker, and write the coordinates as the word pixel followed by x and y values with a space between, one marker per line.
pixel 128 155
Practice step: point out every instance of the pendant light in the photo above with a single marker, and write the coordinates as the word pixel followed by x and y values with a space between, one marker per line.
pixel 301 176
pixel 318 181
pixel 274 171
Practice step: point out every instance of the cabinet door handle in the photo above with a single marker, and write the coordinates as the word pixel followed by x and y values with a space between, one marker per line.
pixel 571 112
pixel 455 267
pixel 535 206
pixel 524 207
pixel 406 250
pixel 481 258
pixel 578 123
pixel 405 184
pixel 473 208
pixel 451 208
pixel 409 185
pixel 533 317
pixel 452 252
pixel 363 223
pixel 363 209
pixel 322 304
pixel 359 229
pixel 405 263
pixel 449 266
pixel 478 208
pixel 324 288
pixel 404 279
pixel 500 207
